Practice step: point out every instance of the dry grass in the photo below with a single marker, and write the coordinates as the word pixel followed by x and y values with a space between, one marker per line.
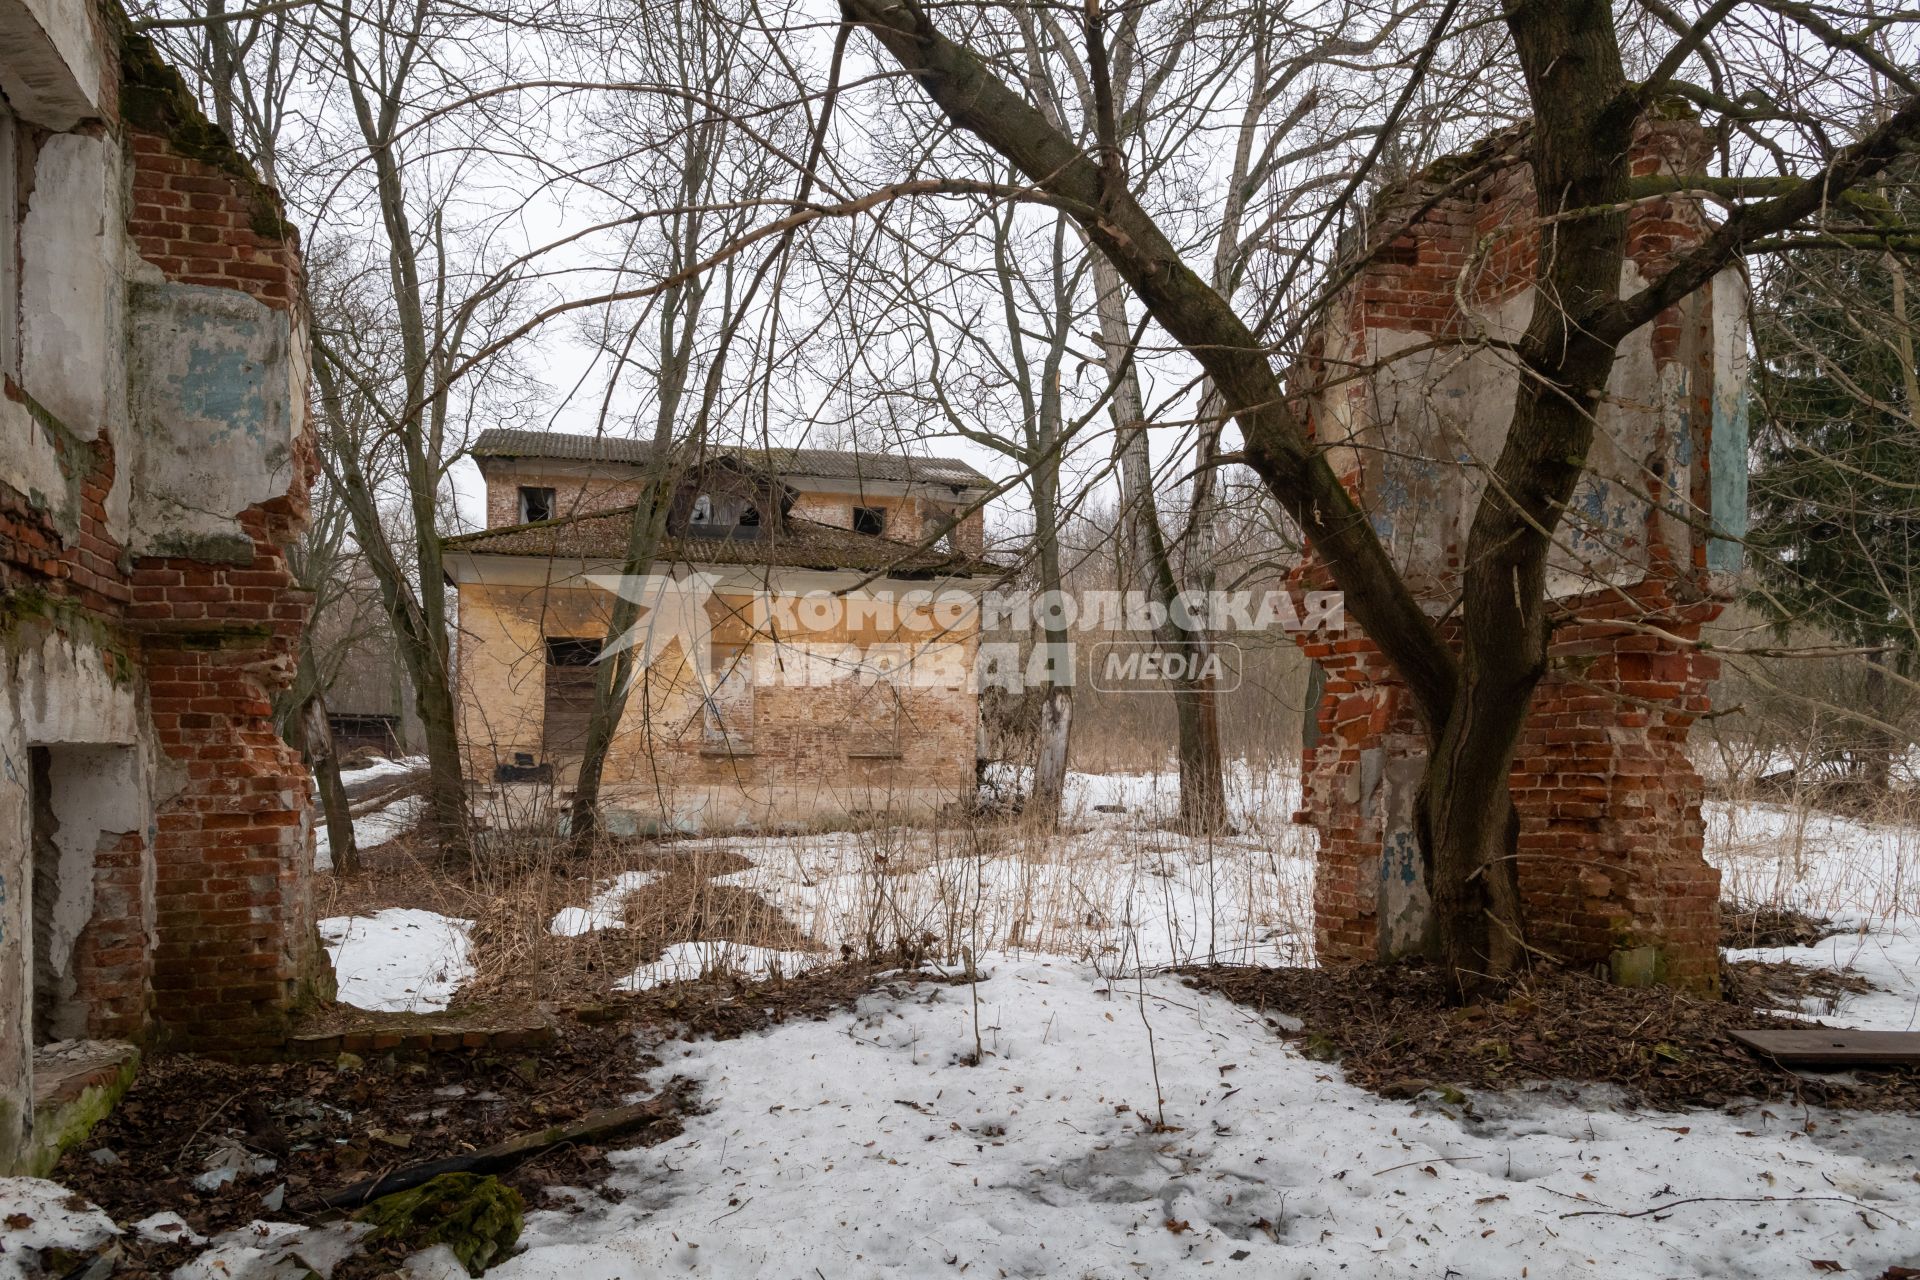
pixel 1117 890
pixel 1114 889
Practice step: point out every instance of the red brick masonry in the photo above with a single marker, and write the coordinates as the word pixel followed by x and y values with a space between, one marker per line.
pixel 214 644
pixel 1610 845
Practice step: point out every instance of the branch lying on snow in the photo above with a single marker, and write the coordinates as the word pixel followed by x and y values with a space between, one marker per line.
pixel 1674 1204
pixel 500 1157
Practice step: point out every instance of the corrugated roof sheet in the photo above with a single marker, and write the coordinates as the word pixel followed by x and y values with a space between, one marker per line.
pixel 825 464
pixel 799 544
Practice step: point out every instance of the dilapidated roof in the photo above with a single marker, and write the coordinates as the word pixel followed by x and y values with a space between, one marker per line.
pixel 795 544
pixel 784 463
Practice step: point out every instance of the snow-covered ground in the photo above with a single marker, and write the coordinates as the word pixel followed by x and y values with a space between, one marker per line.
pixel 685 961
pixel 864 1145
pixel 1863 876
pixel 1118 1124
pixel 605 910
pixel 371 829
pixel 380 767
pixel 400 960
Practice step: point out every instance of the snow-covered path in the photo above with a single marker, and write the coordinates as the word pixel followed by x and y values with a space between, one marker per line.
pixel 863 1145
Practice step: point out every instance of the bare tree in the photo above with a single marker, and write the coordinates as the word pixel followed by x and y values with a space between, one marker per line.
pixel 1473 698
pixel 681 153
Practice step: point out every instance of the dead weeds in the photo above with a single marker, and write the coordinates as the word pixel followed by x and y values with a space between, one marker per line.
pixel 1758 925
pixel 1393 1031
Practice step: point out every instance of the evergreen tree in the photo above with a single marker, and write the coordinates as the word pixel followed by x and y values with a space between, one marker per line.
pixel 1836 477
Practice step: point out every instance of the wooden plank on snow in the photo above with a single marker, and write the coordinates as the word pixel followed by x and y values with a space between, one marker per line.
pixel 1825 1048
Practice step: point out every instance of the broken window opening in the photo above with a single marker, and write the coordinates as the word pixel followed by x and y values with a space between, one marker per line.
pixel 569 693
pixel 702 510
pixel 536 504
pixel 870 520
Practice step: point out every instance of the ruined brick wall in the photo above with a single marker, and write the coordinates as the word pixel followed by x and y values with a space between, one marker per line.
pixel 153 476
pixel 219 641
pixel 1610 860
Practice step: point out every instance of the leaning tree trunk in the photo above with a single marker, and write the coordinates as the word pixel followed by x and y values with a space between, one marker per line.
pixel 1473 700
pixel 1203 807
pixel 613 680
pixel 316 734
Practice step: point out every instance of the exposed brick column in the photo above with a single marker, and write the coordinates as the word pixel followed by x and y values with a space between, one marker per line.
pixel 1610 846
pixel 112 958
pixel 236 942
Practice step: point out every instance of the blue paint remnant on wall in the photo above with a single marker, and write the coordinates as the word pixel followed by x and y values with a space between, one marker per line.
pixel 1400 480
pixel 1727 462
pixel 1399 858
pixel 222 385
pixel 1600 514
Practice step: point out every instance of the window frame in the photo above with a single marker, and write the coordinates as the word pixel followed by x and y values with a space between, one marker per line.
pixel 552 500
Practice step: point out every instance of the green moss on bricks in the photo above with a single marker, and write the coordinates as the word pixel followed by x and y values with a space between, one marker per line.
pixel 479 1218
pixel 60 1129
pixel 207 548
pixel 23 607
pixel 154 97
pixel 1644 966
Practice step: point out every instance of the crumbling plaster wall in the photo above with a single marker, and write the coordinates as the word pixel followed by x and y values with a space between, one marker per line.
pixel 154 463
pixel 792 756
pixel 56 688
pixel 217 414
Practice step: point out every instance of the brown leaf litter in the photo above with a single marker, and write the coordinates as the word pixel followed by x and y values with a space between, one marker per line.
pixel 1393 1031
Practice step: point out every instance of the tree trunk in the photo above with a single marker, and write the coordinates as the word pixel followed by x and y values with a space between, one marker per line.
pixel 1203 808
pixel 322 757
pixel 612 682
pixel 425 657
pixel 1583 124
pixel 1474 702
pixel 1056 706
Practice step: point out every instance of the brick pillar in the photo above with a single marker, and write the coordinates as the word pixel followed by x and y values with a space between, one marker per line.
pixel 234 912
pixel 237 949
pixel 1610 848
pixel 112 959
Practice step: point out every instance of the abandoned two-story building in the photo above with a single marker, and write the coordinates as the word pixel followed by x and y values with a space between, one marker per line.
pixel 154 463
pixel 807 634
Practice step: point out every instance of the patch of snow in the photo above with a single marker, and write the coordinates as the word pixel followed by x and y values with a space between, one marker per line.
pixel 261 1250
pixel 607 908
pixel 401 960
pixel 34 1215
pixel 1815 861
pixel 861 1145
pixel 437 1263
pixel 1889 958
pixel 383 768
pixel 1126 897
pixel 371 830
pixel 167 1228
pixel 685 961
